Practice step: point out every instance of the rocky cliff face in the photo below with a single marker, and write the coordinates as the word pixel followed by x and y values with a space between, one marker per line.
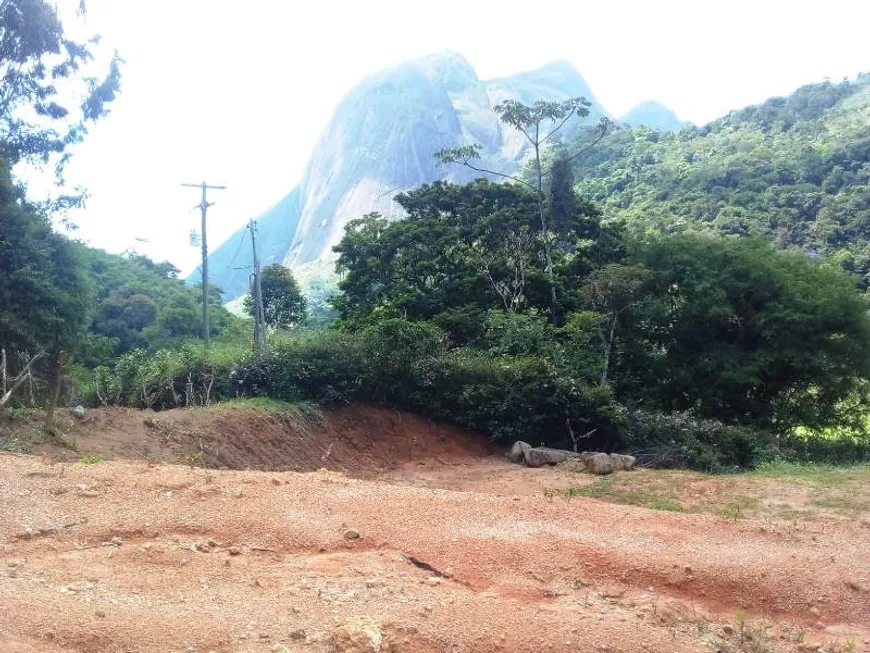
pixel 381 141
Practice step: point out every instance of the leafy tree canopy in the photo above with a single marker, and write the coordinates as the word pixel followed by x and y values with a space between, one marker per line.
pixel 475 246
pixel 51 91
pixel 45 296
pixel 142 304
pixel 742 332
pixel 284 305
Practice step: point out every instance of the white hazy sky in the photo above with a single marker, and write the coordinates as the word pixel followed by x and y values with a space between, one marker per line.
pixel 237 92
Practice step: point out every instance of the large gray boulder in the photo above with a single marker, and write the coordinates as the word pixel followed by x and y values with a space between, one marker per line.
pixel 622 462
pixel 540 456
pixel 518 451
pixel 599 463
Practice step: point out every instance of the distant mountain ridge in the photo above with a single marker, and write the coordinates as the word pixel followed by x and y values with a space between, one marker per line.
pixel 654 115
pixel 380 141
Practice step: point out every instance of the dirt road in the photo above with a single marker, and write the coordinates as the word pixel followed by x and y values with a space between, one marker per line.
pixel 122 556
pixel 133 556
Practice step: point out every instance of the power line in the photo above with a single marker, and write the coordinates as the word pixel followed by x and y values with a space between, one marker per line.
pixel 238 249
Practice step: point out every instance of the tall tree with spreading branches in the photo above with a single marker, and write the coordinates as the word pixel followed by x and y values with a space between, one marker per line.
pixel 539 124
pixel 52 86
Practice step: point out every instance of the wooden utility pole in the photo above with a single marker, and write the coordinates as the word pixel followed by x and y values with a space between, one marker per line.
pixel 260 339
pixel 203 207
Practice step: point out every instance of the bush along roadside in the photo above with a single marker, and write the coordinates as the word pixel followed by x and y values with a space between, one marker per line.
pixel 410 366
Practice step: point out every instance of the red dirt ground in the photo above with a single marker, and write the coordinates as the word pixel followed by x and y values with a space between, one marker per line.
pixel 140 555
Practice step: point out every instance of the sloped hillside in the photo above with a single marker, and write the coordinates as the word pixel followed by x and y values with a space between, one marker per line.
pixel 794 169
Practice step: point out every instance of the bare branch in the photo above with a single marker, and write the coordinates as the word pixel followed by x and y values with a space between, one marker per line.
pixel 559 126
pixel 18 380
pixel 498 174
pixel 602 132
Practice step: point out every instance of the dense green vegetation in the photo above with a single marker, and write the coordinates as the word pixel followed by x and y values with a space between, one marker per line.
pixel 794 170
pixel 284 305
pixel 44 291
pixel 142 304
pixel 695 297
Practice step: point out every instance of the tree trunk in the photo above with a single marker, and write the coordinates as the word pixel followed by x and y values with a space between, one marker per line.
pixel 55 379
pixel 608 346
pixel 545 231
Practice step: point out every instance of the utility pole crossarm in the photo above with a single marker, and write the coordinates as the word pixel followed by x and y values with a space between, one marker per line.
pixel 203 206
pixel 205 185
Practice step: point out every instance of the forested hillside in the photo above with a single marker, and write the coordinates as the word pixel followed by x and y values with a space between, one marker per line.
pixel 795 170
pixel 60 295
pixel 140 303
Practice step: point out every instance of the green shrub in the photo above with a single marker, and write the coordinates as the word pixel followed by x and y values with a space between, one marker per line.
pixel 682 440
pixel 822 449
pixel 325 366
pixel 515 398
pixel 165 379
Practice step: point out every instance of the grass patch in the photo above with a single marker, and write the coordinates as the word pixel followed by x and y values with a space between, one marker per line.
pixel 92 460
pixel 18 444
pixel 616 491
pixel 738 507
pixel 269 406
pixel 842 490
pixel 304 416
pixel 664 504
pixel 824 475
pixel 780 491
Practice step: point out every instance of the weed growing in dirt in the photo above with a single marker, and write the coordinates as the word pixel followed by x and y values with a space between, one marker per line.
pixel 302 414
pixel 267 405
pixel 18 445
pixel 751 638
pixel 739 508
pixel 664 504
pixel 92 460
pixel 18 414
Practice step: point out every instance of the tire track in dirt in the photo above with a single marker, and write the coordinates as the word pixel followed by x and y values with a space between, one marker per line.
pixel 583 565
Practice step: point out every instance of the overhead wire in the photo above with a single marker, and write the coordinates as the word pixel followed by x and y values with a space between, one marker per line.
pixel 238 249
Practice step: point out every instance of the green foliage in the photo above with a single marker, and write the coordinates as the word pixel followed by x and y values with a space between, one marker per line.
pixel 45 71
pixel 284 305
pixel 794 170
pixel 142 304
pixel 462 249
pixel 398 355
pixel 683 440
pixel 516 397
pixel 92 460
pixel 525 117
pixel 163 379
pixel 747 334
pixel 45 297
pixel 324 366
pixel 540 124
pixel 728 328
